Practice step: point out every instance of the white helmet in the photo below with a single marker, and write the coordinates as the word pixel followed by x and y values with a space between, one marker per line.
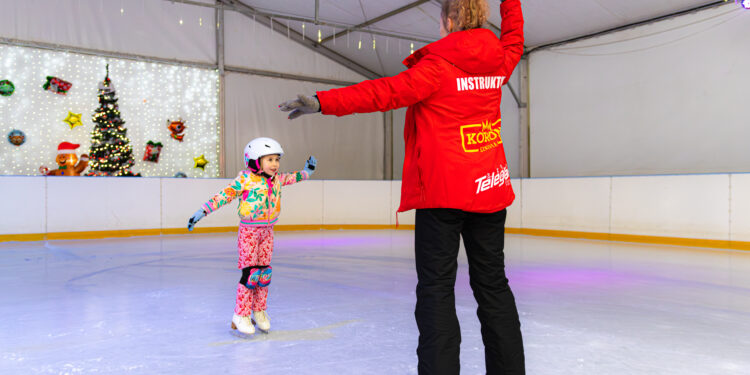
pixel 258 148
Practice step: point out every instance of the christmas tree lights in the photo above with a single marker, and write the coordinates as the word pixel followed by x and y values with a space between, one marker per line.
pixel 111 153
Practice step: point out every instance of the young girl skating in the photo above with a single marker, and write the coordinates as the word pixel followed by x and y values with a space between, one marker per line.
pixel 259 190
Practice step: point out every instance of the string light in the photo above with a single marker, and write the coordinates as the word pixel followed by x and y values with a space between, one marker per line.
pixel 359 45
pixel 320 36
pixel 200 21
pixel 373 43
pixel 411 46
pixel 180 21
pixel 303 31
pixel 148 94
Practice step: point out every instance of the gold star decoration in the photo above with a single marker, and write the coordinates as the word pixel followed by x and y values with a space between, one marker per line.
pixel 73 119
pixel 200 162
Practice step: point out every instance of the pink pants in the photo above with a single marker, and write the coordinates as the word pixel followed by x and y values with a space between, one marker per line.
pixel 255 245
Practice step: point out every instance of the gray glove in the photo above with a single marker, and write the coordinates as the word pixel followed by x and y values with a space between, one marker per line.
pixel 303 105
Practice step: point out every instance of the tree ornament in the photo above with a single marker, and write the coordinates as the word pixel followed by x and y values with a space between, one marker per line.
pixel 200 162
pixel 7 88
pixel 180 175
pixel 176 127
pixel 68 163
pixel 16 137
pixel 73 119
pixel 111 152
pixel 57 85
pixel 153 150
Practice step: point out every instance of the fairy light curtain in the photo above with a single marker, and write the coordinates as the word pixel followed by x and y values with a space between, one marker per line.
pixel 149 94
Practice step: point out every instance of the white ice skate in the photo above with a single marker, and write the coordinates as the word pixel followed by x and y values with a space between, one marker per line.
pixel 243 324
pixel 260 318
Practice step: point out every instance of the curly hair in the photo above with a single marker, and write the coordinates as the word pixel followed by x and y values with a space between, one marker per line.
pixel 465 14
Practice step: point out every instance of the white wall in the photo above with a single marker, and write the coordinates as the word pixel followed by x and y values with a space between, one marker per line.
pixel 664 98
pixel 349 147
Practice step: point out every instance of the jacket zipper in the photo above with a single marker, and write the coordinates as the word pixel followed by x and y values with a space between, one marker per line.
pixel 268 203
pixel 422 194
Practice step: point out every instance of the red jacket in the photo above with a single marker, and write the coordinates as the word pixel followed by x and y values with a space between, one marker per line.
pixel 454 154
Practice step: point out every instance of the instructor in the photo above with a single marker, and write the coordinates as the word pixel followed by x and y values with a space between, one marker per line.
pixel 455 175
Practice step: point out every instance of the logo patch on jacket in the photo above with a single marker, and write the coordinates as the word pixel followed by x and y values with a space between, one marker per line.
pixel 481 137
pixel 492 180
pixel 479 83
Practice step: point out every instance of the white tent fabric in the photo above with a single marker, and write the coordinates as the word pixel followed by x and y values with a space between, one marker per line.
pixel 348 147
pixel 667 98
pixel 251 45
pixel 142 27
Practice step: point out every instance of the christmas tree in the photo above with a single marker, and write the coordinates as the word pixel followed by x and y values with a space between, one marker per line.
pixel 111 153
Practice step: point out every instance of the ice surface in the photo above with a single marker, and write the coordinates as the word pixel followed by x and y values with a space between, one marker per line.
pixel 341 302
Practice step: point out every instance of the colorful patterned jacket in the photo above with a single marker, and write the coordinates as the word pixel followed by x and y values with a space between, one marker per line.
pixel 260 201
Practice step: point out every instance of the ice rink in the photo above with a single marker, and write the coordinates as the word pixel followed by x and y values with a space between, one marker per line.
pixel 341 302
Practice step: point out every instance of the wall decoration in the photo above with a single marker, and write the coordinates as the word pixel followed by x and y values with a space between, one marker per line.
pixel 68 163
pixel 16 137
pixel 176 128
pixel 7 88
pixel 57 85
pixel 153 150
pixel 73 119
pixel 200 162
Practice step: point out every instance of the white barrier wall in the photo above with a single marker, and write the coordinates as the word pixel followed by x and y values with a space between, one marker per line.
pixel 24 205
pixel 574 204
pixel 714 207
pixel 739 218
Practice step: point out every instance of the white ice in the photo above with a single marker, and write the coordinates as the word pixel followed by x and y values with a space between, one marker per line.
pixel 341 302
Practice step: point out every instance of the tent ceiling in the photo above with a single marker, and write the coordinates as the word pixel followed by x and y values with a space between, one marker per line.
pixel 546 22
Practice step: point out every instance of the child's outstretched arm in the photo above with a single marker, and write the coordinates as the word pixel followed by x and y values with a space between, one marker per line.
pixel 220 199
pixel 304 174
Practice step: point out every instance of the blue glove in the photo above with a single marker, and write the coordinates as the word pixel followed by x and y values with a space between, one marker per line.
pixel 200 214
pixel 310 165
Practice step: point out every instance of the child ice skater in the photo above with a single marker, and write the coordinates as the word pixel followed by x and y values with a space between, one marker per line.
pixel 259 190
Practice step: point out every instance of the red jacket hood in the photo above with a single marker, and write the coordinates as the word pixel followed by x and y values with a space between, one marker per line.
pixel 474 51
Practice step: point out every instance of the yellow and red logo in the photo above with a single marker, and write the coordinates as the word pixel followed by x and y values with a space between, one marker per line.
pixel 481 137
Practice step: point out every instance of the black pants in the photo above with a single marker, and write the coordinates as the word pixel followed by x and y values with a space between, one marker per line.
pixel 436 247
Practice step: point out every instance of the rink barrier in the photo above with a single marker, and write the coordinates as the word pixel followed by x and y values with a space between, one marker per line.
pixel 656 240
pixel 708 211
pixel 170 231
